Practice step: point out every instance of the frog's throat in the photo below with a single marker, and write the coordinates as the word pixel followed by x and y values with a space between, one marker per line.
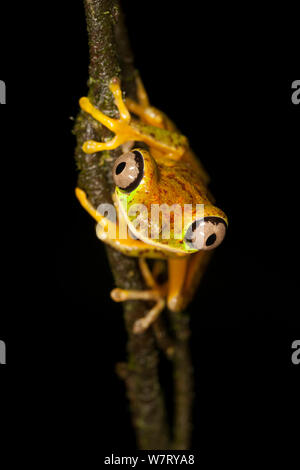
pixel 148 241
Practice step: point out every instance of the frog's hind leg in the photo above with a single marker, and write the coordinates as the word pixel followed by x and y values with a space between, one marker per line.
pixel 184 277
pixel 155 293
pixel 147 113
pixel 142 95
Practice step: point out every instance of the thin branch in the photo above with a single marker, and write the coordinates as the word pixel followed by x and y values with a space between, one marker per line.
pixel 183 381
pixel 143 388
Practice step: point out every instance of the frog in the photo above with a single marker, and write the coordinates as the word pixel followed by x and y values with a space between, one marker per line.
pixel 157 168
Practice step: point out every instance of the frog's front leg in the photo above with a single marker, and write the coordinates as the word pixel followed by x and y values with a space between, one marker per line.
pixel 127 129
pixel 121 127
pixel 108 231
pixel 155 293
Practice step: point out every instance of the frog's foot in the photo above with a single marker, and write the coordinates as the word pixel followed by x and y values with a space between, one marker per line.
pixel 140 325
pixel 155 293
pixel 121 127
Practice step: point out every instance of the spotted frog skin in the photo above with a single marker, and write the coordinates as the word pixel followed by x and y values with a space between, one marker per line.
pixel 166 174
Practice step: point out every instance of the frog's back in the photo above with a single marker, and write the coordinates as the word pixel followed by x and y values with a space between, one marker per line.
pixel 172 141
pixel 196 164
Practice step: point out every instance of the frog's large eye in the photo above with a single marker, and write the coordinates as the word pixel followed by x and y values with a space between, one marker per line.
pixel 128 170
pixel 206 233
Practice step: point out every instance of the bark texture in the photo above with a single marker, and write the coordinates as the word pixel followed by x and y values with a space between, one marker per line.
pixel 111 56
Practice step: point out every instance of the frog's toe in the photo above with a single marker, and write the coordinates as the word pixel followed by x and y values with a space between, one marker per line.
pixel 142 324
pixel 139 326
pixel 119 295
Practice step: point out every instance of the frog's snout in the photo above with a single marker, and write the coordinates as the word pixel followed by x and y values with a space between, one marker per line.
pixel 206 233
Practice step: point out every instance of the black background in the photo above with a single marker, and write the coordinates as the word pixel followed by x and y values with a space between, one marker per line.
pixel 58 321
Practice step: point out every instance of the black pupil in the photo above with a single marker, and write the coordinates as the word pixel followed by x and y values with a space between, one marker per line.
pixel 211 239
pixel 120 168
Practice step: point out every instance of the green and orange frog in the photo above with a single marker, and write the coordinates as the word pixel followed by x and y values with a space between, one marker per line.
pixel 165 175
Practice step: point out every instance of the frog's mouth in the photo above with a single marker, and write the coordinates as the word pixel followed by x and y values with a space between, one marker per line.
pixel 178 249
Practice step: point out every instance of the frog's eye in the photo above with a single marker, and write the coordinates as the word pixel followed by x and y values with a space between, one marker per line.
pixel 206 233
pixel 128 170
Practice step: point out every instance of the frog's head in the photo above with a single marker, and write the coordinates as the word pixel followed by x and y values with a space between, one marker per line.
pixel 144 186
